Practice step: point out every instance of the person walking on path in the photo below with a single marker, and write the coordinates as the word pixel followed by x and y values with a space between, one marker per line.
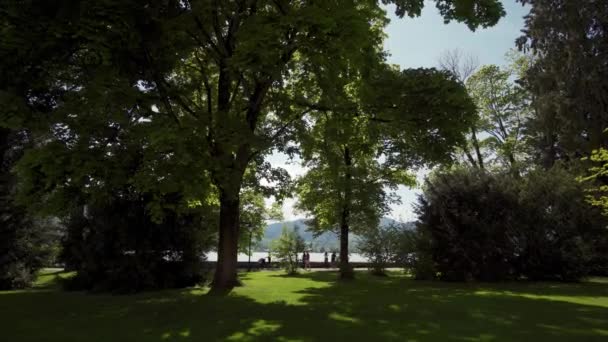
pixel 325 261
pixel 333 259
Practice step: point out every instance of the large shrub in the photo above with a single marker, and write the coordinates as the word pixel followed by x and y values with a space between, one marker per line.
pixel 560 230
pixel 467 215
pixel 476 225
pixel 118 247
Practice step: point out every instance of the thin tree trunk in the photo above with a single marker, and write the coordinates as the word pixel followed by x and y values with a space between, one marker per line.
pixel 346 272
pixel 476 146
pixel 548 152
pixel 225 277
pixel 512 160
pixel 469 156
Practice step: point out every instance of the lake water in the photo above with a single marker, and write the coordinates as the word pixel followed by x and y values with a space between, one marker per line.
pixel 314 257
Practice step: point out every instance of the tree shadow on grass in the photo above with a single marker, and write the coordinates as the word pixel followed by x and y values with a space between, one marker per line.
pixel 368 309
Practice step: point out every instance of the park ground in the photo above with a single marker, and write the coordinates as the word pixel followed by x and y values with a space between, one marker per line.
pixel 313 306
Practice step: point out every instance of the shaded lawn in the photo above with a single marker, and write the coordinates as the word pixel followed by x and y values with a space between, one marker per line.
pixel 313 307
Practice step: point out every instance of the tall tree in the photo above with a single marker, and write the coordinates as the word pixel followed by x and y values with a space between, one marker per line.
pixel 569 40
pixel 504 109
pixel 365 146
pixel 254 215
pixel 217 75
pixel 463 66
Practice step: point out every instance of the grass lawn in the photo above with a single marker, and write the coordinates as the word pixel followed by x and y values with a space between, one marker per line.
pixel 313 307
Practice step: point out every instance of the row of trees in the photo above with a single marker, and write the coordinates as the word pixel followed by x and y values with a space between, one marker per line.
pixel 167 109
pixel 541 114
pixel 138 118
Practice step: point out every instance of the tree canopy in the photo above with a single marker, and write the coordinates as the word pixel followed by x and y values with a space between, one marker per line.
pixel 380 130
pixel 165 98
pixel 570 43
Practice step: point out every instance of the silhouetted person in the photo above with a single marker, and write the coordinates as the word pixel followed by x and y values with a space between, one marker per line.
pixel 307 261
pixel 326 260
pixel 333 259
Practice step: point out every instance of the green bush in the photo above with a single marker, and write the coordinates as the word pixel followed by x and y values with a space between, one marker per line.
pixel 467 215
pixel 422 265
pixel 476 225
pixel 119 248
pixel 560 229
pixel 286 248
pixel 394 244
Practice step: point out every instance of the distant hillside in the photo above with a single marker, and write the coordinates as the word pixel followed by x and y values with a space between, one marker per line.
pixel 326 241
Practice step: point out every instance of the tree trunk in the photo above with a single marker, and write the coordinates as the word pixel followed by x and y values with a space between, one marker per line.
pixel 225 277
pixel 548 152
pixel 346 272
pixel 469 157
pixel 477 148
pixel 513 165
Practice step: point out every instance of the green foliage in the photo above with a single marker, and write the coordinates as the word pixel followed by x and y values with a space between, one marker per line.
pixel 504 109
pixel 468 215
pixel 569 40
pixel 563 234
pixel 253 220
pixel 596 176
pixel 474 13
pixel 597 194
pixel 376 245
pixel 421 114
pixel 254 216
pixel 394 244
pixel 119 248
pixel 27 243
pixel 405 238
pixel 480 226
pixel 361 148
pixel 171 97
pixel 286 248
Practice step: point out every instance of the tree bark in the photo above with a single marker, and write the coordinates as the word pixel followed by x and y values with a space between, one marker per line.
pixel 477 148
pixel 548 153
pixel 469 156
pixel 346 272
pixel 225 277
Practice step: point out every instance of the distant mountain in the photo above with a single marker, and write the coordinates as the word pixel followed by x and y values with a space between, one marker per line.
pixel 326 241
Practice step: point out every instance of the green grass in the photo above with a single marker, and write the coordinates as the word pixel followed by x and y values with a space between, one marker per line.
pixel 313 307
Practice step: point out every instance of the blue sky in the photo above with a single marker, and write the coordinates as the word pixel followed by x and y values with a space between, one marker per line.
pixel 418 42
